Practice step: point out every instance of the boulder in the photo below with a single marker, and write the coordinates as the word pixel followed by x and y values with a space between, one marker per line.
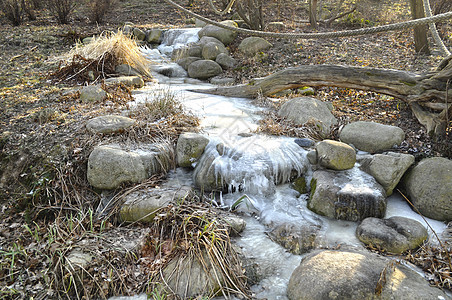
pixel 109 124
pixel 133 81
pixel 303 109
pixel 111 165
pixel 189 148
pixel 186 61
pixel 356 275
pixel 226 36
pixel 212 50
pixel 143 204
pixel 200 23
pixel 296 238
pixel 372 137
pixel 387 168
pixel 351 195
pixel 139 34
pixel 394 235
pixel 236 223
pixel 204 69
pixel 92 93
pixel 429 187
pixel 335 155
pixel 208 39
pixel 154 36
pixel 252 45
pixel 191 50
pixel 127 70
pixel 225 61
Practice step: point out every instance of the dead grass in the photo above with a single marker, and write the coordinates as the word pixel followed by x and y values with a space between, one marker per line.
pixel 193 232
pixel 100 56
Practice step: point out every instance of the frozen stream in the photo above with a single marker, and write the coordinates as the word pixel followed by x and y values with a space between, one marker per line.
pixel 226 120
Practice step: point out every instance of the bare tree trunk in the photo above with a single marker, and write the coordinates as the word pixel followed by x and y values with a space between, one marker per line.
pixel 420 32
pixel 313 13
pixel 424 90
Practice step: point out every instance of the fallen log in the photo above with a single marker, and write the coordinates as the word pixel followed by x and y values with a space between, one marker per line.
pixel 416 89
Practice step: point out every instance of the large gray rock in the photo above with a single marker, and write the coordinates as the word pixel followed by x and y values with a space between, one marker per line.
pixel 335 155
pixel 225 61
pixel 191 50
pixel 394 235
pixel 429 187
pixel 139 34
pixel 356 275
pixel 111 165
pixel 186 61
pixel 387 168
pixel 304 109
pixel 372 137
pixel 204 69
pixel 350 195
pixel 189 148
pixel 226 36
pixel 154 36
pixel 208 39
pixel 252 45
pixel 133 81
pixel 212 50
pixel 297 239
pixel 142 205
pixel 92 93
pixel 109 124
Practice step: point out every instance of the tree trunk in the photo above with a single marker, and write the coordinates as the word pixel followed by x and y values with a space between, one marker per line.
pixel 313 13
pixel 417 90
pixel 420 32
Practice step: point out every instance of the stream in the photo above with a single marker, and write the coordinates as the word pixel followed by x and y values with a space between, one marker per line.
pixel 230 121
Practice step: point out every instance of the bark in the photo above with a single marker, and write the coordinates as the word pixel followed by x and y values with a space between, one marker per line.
pixel 415 89
pixel 420 32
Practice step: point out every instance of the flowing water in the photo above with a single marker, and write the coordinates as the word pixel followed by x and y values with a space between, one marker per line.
pixel 258 167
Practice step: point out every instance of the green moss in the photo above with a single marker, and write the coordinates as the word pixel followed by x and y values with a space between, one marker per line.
pixel 313 185
pixel 299 185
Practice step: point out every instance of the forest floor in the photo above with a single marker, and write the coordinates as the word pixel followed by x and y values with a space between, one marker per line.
pixel 38 122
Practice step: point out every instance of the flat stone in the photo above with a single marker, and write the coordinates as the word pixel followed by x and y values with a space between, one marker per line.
pixel 204 69
pixel 304 109
pixel 222 81
pixel 109 124
pixel 133 81
pixel 394 235
pixel 297 239
pixel 92 93
pixel 226 36
pixel 252 45
pixel 109 166
pixel 142 205
pixel 372 137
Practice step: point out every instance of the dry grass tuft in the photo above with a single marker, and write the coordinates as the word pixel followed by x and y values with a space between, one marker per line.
pixel 192 232
pixel 101 56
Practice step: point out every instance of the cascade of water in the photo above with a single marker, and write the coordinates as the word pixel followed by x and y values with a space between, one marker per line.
pixel 177 38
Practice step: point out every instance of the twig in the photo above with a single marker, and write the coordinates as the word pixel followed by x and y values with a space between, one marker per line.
pixel 23 54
